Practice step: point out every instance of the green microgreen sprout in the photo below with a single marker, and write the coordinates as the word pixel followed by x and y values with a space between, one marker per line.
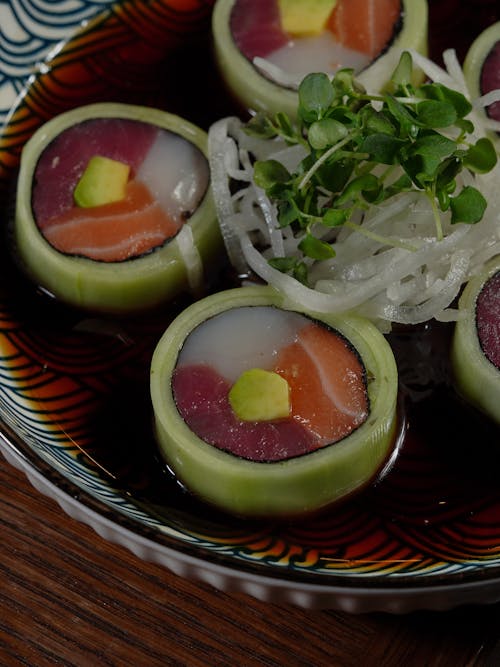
pixel 364 149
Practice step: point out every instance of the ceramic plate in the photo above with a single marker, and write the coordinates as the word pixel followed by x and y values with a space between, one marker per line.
pixel 74 397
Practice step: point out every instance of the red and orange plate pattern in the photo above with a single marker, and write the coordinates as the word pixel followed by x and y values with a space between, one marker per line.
pixel 74 396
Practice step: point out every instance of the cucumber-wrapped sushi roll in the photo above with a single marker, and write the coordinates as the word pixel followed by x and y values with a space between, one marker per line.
pixel 265 47
pixel 265 411
pixel 476 341
pixel 482 69
pixel 114 210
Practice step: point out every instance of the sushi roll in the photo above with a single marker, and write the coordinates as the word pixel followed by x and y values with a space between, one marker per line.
pixel 266 411
pixel 475 351
pixel 482 68
pixel 114 211
pixel 264 48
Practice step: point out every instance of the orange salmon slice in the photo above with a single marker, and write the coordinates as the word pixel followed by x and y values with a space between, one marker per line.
pixel 327 383
pixel 365 25
pixel 113 232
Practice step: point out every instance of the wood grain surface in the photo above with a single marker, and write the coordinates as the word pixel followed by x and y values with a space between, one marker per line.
pixel 68 597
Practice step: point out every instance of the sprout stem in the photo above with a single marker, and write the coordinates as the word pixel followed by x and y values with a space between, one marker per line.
pixel 308 175
pixel 378 237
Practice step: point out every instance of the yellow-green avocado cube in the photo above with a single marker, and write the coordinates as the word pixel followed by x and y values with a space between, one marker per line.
pixel 259 395
pixel 104 181
pixel 305 17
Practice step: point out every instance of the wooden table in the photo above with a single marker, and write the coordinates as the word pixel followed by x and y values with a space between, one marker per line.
pixel 67 597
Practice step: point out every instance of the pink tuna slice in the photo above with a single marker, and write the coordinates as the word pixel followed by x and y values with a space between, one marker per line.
pixel 488 319
pixel 490 79
pixel 201 396
pixel 256 27
pixel 64 160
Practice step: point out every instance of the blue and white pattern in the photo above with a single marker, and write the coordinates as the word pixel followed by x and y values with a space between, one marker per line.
pixel 29 30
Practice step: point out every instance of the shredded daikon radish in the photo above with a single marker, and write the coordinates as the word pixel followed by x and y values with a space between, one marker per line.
pixel 192 259
pixel 277 74
pixel 220 145
pixel 412 279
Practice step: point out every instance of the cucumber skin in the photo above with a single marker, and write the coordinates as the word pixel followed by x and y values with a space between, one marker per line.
pixel 286 488
pixel 473 64
pixel 476 378
pixel 135 285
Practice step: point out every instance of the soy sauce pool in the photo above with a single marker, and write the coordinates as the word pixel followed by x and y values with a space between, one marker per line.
pixel 439 501
pixel 97 388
